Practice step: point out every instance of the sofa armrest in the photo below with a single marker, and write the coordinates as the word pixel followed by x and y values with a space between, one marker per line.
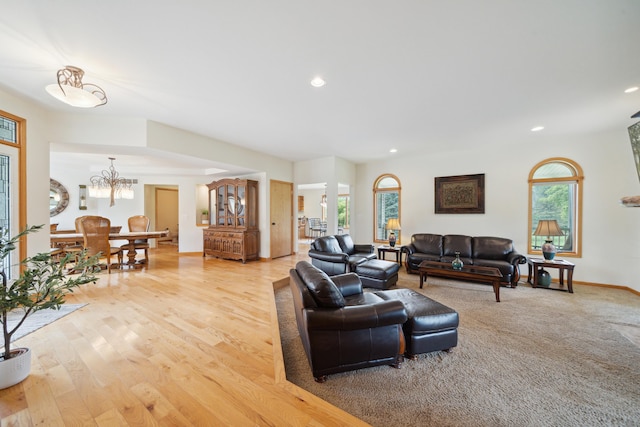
pixel 515 258
pixel 409 249
pixel 355 317
pixel 363 248
pixel 348 284
pixel 329 257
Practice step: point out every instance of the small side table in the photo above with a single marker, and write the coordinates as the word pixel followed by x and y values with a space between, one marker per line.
pixel 536 264
pixel 382 250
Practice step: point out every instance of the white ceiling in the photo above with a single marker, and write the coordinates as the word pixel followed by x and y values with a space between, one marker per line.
pixel 412 75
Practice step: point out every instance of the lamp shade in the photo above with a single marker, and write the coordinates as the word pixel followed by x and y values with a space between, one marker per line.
pixel 548 227
pixel 393 224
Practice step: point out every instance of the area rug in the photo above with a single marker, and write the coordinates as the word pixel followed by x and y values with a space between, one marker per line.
pixel 39 319
pixel 538 358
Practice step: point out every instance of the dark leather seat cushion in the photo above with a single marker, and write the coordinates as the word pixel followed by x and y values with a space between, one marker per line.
pixel 425 314
pixel 324 291
pixel 377 269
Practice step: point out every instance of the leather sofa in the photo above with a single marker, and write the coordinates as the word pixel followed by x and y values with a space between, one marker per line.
pixel 343 328
pixel 481 251
pixel 337 254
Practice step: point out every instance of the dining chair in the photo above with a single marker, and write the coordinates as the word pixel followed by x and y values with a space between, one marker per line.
pixel 139 223
pixel 95 230
pixel 75 248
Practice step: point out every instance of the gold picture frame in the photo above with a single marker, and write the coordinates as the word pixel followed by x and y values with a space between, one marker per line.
pixel 462 194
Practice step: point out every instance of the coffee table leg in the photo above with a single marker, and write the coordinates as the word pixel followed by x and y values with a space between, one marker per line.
pixel 570 280
pixel 422 277
pixel 496 290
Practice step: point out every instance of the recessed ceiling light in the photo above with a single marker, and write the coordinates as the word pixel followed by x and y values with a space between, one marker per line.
pixel 537 129
pixel 317 82
pixel 393 150
pixel 631 89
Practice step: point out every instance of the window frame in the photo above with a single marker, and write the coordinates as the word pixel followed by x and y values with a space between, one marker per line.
pixel 19 209
pixel 376 191
pixel 577 178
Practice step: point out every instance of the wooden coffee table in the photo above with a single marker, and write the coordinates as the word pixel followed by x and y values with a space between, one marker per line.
pixel 491 275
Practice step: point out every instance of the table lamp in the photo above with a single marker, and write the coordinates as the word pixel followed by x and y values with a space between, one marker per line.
pixel 393 224
pixel 548 227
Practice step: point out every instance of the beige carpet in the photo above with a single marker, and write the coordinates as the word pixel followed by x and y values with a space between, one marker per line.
pixel 538 358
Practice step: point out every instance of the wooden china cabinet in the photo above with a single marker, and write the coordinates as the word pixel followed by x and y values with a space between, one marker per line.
pixel 233 229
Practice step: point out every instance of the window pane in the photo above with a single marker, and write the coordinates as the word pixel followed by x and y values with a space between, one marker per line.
pixel 554 201
pixel 386 207
pixel 553 170
pixel 8 130
pixel 343 211
pixel 388 182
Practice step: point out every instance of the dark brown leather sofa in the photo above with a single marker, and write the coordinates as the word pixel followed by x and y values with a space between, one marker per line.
pixel 341 327
pixel 337 254
pixel 482 251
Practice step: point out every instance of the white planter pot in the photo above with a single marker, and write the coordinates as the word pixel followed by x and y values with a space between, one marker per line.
pixel 16 369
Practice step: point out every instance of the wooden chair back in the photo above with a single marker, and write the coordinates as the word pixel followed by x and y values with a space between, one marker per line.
pixel 139 223
pixel 78 223
pixel 95 230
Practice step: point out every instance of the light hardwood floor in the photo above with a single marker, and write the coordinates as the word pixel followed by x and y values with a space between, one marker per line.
pixel 186 341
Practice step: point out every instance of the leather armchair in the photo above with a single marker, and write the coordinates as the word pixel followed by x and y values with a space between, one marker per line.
pixel 341 327
pixel 338 254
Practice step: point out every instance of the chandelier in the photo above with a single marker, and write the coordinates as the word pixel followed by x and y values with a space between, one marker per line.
pixel 110 185
pixel 72 91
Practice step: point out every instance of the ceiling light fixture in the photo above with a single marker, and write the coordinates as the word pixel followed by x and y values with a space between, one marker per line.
pixel 393 150
pixel 537 128
pixel 631 89
pixel 72 91
pixel 110 185
pixel 317 82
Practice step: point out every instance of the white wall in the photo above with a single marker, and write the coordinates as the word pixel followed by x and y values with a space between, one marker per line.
pixel 611 233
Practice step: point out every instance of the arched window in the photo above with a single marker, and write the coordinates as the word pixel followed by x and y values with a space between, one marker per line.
pixel 386 206
pixel 555 193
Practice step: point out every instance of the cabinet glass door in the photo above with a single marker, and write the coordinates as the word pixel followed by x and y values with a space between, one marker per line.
pixel 220 206
pixel 241 204
pixel 231 206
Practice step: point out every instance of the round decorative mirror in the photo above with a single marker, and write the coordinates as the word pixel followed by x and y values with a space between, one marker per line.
pixel 58 197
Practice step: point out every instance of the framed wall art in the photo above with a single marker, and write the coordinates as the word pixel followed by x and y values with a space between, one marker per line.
pixel 459 194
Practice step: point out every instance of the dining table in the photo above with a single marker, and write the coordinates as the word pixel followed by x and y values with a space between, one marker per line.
pixel 62 239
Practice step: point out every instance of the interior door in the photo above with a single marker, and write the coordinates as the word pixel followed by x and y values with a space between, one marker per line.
pixel 167 210
pixel 281 218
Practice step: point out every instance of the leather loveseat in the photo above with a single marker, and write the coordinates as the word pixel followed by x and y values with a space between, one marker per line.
pixel 343 328
pixel 481 251
pixel 337 254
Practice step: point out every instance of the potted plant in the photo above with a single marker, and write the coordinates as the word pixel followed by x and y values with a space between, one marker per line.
pixel 42 284
pixel 205 216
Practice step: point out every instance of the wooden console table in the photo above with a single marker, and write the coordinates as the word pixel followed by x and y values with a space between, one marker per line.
pixel 536 264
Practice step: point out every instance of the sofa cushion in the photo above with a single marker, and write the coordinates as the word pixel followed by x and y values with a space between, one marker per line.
pixel 492 247
pixel 328 244
pixel 322 288
pixel 430 244
pixel 453 243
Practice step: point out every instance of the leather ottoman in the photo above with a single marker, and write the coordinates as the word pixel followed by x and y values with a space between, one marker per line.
pixel 378 273
pixel 432 326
